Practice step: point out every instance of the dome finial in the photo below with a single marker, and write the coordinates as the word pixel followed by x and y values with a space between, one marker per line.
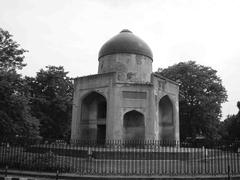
pixel 126 31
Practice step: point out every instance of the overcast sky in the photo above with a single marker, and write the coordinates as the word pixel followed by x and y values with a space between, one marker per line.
pixel 71 32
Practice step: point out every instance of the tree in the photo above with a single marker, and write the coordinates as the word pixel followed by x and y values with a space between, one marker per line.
pixel 51 93
pixel 201 96
pixel 15 112
pixel 230 126
pixel 11 54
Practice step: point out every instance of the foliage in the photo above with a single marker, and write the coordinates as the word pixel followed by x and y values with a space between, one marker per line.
pixel 15 112
pixel 11 54
pixel 230 126
pixel 26 101
pixel 201 96
pixel 51 93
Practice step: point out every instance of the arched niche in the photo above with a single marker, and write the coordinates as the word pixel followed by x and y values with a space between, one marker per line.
pixel 165 114
pixel 93 117
pixel 134 126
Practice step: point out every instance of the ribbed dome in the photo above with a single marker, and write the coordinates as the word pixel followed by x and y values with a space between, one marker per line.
pixel 125 42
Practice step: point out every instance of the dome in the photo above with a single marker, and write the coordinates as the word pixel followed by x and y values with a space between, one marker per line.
pixel 125 42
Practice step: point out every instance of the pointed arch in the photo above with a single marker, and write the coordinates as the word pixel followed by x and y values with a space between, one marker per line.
pixel 92 92
pixel 93 116
pixel 165 111
pixel 165 114
pixel 134 125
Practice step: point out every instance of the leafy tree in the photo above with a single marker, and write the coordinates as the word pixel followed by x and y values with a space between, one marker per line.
pixel 51 93
pixel 11 54
pixel 230 126
pixel 15 112
pixel 201 96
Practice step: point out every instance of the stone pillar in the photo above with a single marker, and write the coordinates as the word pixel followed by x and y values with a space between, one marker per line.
pixel 176 119
pixel 75 115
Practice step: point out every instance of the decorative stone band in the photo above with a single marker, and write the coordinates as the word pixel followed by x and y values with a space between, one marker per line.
pixel 134 95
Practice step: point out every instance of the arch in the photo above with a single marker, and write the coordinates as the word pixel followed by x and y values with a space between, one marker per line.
pixel 165 111
pixel 133 125
pixel 93 116
pixel 139 110
pixel 90 92
pixel 165 114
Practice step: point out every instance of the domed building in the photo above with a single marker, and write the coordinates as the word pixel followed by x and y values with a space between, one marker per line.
pixel 125 100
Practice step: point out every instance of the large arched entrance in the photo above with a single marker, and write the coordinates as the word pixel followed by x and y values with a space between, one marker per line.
pixel 93 117
pixel 134 126
pixel 166 119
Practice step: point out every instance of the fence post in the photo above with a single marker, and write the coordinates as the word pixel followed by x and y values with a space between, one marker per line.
pixel 57 175
pixel 205 160
pixel 6 171
pixel 229 172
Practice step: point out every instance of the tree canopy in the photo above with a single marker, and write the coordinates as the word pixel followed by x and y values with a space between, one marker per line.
pixel 231 125
pixel 51 92
pixel 11 54
pixel 201 96
pixel 32 106
pixel 15 112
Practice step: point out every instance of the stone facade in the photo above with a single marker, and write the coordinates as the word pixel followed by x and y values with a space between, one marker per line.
pixel 125 100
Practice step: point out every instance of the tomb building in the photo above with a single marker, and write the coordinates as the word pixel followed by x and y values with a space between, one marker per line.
pixel 125 100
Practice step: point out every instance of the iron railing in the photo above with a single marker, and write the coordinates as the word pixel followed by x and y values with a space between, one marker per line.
pixel 125 158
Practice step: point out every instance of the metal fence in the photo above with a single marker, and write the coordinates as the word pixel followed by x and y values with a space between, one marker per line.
pixel 125 158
